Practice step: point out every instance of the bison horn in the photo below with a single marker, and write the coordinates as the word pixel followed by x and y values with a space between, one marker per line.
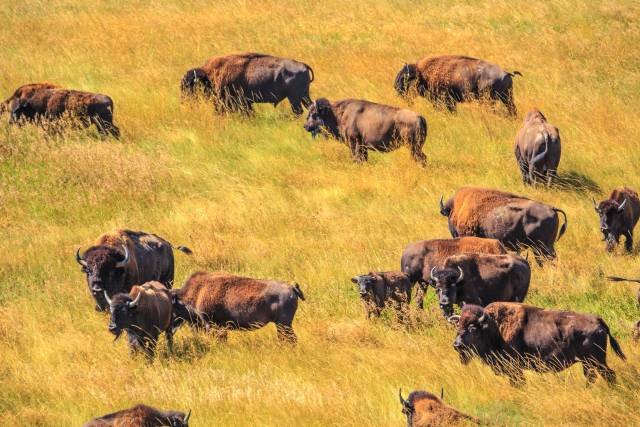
pixel 595 205
pixel 107 297
pixel 433 270
pixel 482 318
pixel 125 261
pixel 441 202
pixel 441 392
pixel 453 318
pixel 186 418
pixel 134 303
pixel 461 276
pixel 621 207
pixel 402 401
pixel 79 259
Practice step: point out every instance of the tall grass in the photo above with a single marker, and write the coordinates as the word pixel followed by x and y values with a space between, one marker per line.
pixel 255 196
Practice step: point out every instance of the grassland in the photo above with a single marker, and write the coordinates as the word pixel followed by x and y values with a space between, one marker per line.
pixel 257 197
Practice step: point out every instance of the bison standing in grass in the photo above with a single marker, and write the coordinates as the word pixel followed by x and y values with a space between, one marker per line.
pixel 381 289
pixel 419 258
pixel 236 82
pixel 537 148
pixel 23 93
pixel 424 409
pixel 225 301
pixel 123 258
pixel 618 217
pixel 447 80
pixel 514 220
pixel 365 126
pixel 141 416
pixel 511 337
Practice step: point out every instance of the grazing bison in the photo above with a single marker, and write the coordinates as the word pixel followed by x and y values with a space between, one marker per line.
pixel 424 409
pixel 511 337
pixel 618 217
pixel 123 258
pixel 514 220
pixel 225 301
pixel 54 104
pixel 447 80
pixel 380 289
pixel 143 313
pixel 420 257
pixel 480 279
pixel 141 416
pixel 23 93
pixel 236 82
pixel 537 148
pixel 365 125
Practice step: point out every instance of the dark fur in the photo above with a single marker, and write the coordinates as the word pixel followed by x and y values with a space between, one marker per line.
pixel 514 336
pixel 365 126
pixel 538 148
pixel 23 93
pixel 381 289
pixel 424 409
pixel 140 416
pixel 615 223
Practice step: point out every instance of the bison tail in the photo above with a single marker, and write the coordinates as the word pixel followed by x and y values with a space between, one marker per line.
pixel 185 250
pixel 312 75
pixel 421 134
pixel 564 226
pixel 622 279
pixel 298 291
pixel 614 344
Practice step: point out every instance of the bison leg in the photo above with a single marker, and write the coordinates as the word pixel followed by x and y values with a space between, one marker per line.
pixel 590 373
pixel 296 105
pixel 418 155
pixel 169 335
pixel 285 333
pixel 421 291
pixel 628 242
pixel 507 100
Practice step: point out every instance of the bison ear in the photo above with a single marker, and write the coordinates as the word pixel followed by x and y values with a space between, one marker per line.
pixel 323 105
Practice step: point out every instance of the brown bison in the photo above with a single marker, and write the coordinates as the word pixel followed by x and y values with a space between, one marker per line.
pixel 236 82
pixel 480 279
pixel 514 220
pixel 537 148
pixel 424 409
pixel 420 257
pixel 51 105
pixel 123 258
pixel 143 313
pixel 618 217
pixel 365 126
pixel 447 80
pixel 23 93
pixel 225 301
pixel 381 289
pixel 141 416
pixel 511 337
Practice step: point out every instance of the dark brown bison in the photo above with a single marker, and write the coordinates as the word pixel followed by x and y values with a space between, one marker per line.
pixel 514 220
pixel 365 126
pixel 236 82
pixel 123 258
pixel 143 313
pixel 225 301
pixel 424 409
pixel 537 148
pixel 51 105
pixel 141 416
pixel 511 337
pixel 23 93
pixel 447 80
pixel 480 279
pixel 381 289
pixel 618 217
pixel 420 257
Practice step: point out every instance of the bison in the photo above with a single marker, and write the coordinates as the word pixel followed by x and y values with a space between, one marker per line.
pixel 236 82
pixel 537 148
pixel 143 313
pixel 447 80
pixel 141 416
pixel 380 289
pixel 480 279
pixel 420 257
pixel 424 409
pixel 224 301
pixel 618 216
pixel 123 258
pixel 511 337
pixel 23 93
pixel 52 105
pixel 514 220
pixel 365 126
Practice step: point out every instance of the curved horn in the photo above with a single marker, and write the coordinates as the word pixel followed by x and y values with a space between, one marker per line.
pixel 79 259
pixel 134 303
pixel 453 318
pixel 107 297
pixel 441 203
pixel 595 205
pixel 482 318
pixel 125 261
pixel 432 271
pixel 621 207
pixel 461 276
pixel 186 418
pixel 402 401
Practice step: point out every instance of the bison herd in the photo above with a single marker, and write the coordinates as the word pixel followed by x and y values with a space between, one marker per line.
pixel 480 269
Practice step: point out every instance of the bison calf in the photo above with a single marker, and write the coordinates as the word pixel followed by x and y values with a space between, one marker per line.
pixel 424 409
pixel 537 148
pixel 618 217
pixel 480 279
pixel 381 289
pixel 227 302
pixel 365 126
pixel 141 416
pixel 143 313
pixel 511 337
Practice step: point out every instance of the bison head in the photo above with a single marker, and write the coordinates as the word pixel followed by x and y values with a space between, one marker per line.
pixel 535 115
pixel 405 77
pixel 445 209
pixel 612 221
pixel 194 82
pixel 366 284
pixel 22 110
pixel 446 282
pixel 182 313
pixel 475 333
pixel 178 419
pixel 105 269
pixel 320 117
pixel 123 312
pixel 408 408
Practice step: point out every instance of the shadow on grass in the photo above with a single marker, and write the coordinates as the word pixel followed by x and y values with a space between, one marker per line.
pixel 576 182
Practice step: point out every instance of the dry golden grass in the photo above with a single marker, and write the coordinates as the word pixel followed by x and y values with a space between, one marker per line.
pixel 257 197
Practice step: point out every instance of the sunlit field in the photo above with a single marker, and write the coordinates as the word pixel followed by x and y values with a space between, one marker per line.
pixel 256 196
